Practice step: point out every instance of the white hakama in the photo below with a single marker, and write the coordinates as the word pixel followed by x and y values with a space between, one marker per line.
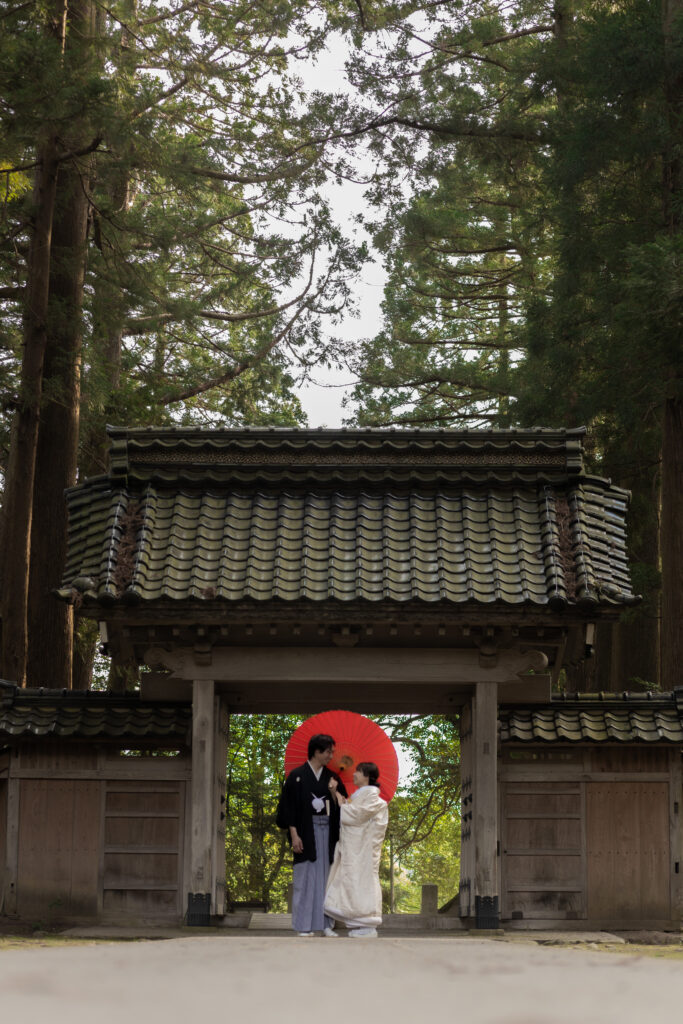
pixel 354 895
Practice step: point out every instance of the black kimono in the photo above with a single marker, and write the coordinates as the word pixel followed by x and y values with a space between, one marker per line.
pixel 296 808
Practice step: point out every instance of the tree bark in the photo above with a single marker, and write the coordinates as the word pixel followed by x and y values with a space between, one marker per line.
pixel 637 639
pixel 672 544
pixel 18 501
pixel 50 652
pixel 50 622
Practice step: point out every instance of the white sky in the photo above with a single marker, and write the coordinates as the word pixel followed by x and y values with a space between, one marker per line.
pixel 322 399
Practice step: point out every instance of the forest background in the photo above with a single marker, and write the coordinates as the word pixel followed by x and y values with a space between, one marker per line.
pixel 169 254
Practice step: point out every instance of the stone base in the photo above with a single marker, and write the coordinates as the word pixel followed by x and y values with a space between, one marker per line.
pixel 486 912
pixel 198 909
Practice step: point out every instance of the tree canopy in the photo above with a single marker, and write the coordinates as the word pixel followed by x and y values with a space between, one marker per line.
pixel 168 252
pixel 534 263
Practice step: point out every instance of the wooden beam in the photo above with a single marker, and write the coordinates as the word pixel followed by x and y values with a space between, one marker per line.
pixel 202 824
pixel 285 666
pixel 533 689
pixel 485 805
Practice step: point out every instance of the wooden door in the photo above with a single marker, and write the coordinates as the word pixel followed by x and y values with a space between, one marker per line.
pixel 542 844
pixel 628 850
pixel 59 842
pixel 143 846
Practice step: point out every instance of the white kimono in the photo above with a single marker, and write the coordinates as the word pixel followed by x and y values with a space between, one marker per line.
pixel 353 894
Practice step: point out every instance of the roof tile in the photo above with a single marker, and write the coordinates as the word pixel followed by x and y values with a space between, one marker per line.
pixel 631 720
pixel 59 715
pixel 398 530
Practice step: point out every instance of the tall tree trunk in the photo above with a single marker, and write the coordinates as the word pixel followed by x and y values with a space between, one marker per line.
pixel 51 645
pixel 49 624
pixel 18 501
pixel 639 634
pixel 86 642
pixel 672 544
pixel 672 430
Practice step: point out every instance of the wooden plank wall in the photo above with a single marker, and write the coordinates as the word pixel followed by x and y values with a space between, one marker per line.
pixel 59 838
pixel 59 832
pixel 591 833
pixel 99 835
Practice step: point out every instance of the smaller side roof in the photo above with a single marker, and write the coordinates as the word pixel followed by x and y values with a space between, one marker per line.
pixel 597 718
pixel 90 714
pixel 581 718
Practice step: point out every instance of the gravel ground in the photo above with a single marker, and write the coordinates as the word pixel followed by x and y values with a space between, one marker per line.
pixel 257 979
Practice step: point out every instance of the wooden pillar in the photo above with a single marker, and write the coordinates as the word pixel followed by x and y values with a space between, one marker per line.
pixel 202 828
pixel 485 806
pixel 8 891
pixel 220 753
pixel 676 830
pixel 465 895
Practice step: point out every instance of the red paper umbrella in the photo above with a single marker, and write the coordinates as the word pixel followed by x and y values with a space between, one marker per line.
pixel 356 739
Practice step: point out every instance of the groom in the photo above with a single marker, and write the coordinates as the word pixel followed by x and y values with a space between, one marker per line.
pixel 311 819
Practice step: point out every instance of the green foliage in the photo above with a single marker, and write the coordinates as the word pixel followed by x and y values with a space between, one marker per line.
pixel 258 857
pixel 531 225
pixel 531 265
pixel 467 241
pixel 424 816
pixel 432 861
pixel 212 258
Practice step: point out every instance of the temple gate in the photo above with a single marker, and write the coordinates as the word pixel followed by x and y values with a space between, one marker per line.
pixel 266 570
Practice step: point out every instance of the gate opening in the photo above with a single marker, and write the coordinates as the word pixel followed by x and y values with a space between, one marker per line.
pixel 420 869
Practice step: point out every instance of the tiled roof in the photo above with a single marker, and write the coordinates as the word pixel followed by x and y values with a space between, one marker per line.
pixel 498 539
pixel 89 714
pixel 623 718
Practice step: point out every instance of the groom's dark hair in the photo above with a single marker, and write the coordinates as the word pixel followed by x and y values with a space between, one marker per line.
pixel 320 742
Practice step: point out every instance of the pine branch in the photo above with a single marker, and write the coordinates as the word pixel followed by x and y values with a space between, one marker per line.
pixel 253 179
pixel 59 159
pixel 235 371
pixel 143 325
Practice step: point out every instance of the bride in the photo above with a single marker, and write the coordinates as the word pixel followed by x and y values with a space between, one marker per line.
pixel 353 895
